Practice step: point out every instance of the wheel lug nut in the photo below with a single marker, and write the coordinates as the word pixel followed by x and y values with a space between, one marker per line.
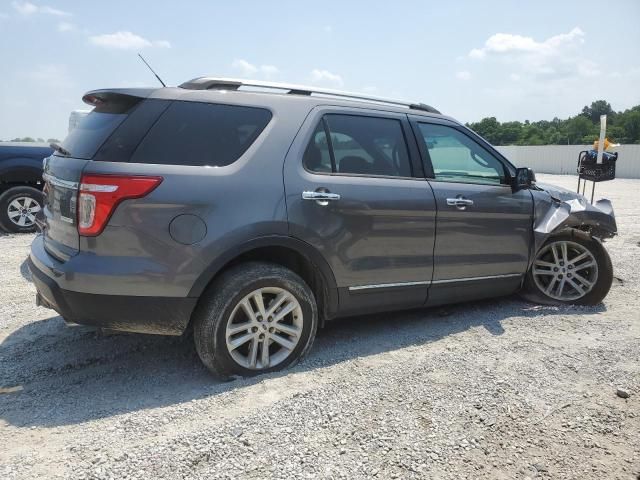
pixel 254 329
pixel 270 319
pixel 555 269
pixel 271 330
pixel 261 336
pixel 560 276
pixel 568 275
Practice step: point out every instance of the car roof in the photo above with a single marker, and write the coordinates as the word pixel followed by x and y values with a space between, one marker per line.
pixel 274 95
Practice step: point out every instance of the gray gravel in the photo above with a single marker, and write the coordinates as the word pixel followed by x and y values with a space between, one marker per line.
pixel 495 389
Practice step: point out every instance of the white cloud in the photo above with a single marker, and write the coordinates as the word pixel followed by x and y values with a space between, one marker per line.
pixel 328 29
pixel 3 16
pixel 244 67
pixel 502 43
pixel 126 41
pixel 28 8
pixel 515 77
pixel 326 77
pixel 247 69
pixel 559 56
pixel 463 75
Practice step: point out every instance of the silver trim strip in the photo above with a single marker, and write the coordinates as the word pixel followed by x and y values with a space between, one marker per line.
pixel 388 285
pixel 428 282
pixel 58 182
pixel 469 279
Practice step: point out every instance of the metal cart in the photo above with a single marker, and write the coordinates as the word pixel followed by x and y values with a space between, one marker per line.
pixel 590 169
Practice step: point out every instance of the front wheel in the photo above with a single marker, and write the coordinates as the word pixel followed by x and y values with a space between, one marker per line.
pixel 570 268
pixel 256 318
pixel 18 209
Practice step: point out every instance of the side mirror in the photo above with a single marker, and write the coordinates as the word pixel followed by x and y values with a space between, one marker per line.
pixel 524 178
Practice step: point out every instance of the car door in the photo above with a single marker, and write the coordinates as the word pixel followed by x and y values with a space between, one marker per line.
pixel 483 226
pixel 356 192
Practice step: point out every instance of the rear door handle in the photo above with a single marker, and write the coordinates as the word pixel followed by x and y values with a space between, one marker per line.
pixel 321 198
pixel 459 202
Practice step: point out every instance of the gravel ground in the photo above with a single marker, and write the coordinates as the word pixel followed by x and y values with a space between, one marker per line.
pixel 495 389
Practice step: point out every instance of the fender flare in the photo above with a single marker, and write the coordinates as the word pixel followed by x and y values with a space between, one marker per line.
pixel 303 248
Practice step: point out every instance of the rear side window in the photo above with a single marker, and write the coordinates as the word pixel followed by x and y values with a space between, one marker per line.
pixel 201 134
pixel 125 139
pixel 91 132
pixel 359 145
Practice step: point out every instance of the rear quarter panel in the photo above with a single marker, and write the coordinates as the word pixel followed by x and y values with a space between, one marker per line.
pixel 237 203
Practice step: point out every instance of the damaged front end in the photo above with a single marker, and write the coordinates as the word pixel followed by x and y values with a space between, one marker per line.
pixel 556 208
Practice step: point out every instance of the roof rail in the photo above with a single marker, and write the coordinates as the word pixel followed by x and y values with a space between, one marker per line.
pixel 215 83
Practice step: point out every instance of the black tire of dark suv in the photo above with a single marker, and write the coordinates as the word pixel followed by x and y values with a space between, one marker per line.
pixel 221 305
pixel 18 207
pixel 579 244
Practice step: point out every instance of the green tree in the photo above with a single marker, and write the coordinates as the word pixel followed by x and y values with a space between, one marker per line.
pixel 579 127
pixel 597 108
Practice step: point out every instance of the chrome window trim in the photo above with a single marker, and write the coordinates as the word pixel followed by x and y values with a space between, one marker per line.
pixel 430 282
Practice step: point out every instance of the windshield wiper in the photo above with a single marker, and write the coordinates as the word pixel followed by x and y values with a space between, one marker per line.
pixel 60 149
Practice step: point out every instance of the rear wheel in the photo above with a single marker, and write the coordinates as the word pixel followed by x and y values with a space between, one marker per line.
pixel 256 318
pixel 571 268
pixel 18 209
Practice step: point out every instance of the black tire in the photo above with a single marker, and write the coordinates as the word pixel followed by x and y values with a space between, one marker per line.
pixel 219 301
pixel 603 282
pixel 5 201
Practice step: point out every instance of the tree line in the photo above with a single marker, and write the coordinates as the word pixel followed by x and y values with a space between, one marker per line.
pixel 583 129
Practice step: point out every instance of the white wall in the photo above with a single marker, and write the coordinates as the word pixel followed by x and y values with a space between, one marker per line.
pixel 563 159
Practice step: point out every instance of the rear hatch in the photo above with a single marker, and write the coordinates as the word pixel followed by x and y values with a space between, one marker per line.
pixel 63 170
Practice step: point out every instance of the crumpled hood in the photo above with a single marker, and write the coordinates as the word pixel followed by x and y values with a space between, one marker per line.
pixel 561 193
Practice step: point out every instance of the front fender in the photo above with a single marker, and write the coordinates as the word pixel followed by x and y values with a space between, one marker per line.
pixel 551 214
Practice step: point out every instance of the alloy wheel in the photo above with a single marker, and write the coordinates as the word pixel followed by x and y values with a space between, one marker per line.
pixel 22 211
pixel 565 271
pixel 264 328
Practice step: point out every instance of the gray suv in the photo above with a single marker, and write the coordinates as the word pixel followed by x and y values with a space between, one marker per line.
pixel 253 213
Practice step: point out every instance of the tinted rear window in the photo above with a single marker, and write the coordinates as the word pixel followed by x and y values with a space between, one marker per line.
pixel 191 133
pixel 91 131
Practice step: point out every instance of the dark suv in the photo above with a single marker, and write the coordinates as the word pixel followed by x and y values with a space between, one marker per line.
pixel 255 212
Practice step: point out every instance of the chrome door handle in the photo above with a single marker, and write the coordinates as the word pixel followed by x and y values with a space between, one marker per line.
pixel 459 202
pixel 322 198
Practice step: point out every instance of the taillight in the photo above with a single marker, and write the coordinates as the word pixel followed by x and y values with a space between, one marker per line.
pixel 99 196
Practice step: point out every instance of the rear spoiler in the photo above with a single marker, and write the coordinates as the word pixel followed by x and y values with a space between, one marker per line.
pixel 118 98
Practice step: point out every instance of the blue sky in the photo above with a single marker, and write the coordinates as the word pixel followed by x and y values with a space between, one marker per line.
pixel 513 60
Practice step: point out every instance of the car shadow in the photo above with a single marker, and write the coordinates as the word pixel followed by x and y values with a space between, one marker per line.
pixel 73 374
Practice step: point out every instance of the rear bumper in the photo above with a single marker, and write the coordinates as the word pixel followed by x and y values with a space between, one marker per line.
pixel 143 314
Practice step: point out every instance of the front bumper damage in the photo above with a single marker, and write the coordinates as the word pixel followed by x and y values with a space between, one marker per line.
pixel 556 209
